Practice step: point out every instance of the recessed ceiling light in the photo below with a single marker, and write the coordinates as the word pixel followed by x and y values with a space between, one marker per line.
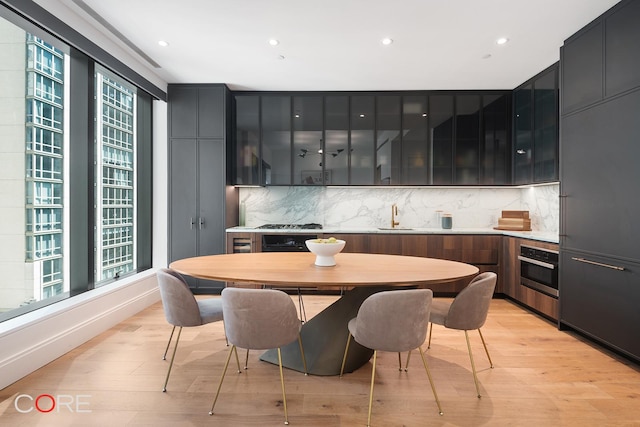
pixel 274 42
pixel 387 41
pixel 163 43
pixel 502 40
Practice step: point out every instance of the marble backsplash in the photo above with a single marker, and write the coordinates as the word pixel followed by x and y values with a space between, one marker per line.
pixel 355 207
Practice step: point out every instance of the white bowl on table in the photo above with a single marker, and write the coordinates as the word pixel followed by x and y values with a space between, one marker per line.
pixel 325 250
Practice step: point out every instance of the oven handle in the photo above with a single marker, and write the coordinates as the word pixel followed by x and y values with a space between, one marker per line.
pixel 536 262
pixel 599 264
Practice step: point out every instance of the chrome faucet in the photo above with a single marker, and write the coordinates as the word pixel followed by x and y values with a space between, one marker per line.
pixel 394 212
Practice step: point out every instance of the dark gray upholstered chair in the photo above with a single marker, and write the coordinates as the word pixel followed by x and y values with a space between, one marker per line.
pixel 181 309
pixel 467 311
pixel 393 321
pixel 260 319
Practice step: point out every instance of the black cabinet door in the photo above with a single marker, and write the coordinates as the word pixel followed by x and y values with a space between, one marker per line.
pixel 600 178
pixel 246 139
pixel 467 137
pixel 211 112
pixel 582 60
pixel 545 127
pixel 622 38
pixel 183 186
pixel 388 140
pixel 599 299
pixel 523 134
pixel 276 139
pixel 308 144
pixel 362 148
pixel 495 151
pixel 441 118
pixel 415 149
pixel 183 111
pixel 336 139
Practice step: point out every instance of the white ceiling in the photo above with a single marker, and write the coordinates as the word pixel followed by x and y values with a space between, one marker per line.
pixel 336 44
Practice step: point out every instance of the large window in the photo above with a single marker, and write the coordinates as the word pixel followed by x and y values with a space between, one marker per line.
pixel 71 206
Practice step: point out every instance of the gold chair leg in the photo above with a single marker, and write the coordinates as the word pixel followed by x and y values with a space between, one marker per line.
pixel 433 387
pixel 246 360
pixel 224 371
pixel 406 365
pixel 399 362
pixel 173 356
pixel 284 395
pixel 304 359
pixel 430 331
pixel 486 350
pixel 373 377
pixel 473 365
pixel 344 358
pixel 237 360
pixel 164 356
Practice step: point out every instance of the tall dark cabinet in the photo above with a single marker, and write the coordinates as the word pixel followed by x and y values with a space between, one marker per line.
pixel 600 134
pixel 198 174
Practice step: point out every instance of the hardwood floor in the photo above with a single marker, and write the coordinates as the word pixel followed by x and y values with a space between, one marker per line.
pixel 542 377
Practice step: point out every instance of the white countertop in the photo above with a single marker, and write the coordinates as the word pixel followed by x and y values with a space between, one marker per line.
pixel 532 235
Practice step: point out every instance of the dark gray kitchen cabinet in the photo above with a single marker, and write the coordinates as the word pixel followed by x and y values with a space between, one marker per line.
pixel 599 283
pixel 535 134
pixel 621 39
pixel 600 178
pixel 197 175
pixel 247 159
pixel 601 299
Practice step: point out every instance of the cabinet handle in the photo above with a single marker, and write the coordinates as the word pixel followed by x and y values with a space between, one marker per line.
pixel 192 222
pixel 201 222
pixel 599 264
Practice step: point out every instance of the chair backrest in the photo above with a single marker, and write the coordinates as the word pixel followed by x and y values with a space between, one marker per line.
pixel 180 306
pixel 394 320
pixel 470 307
pixel 259 319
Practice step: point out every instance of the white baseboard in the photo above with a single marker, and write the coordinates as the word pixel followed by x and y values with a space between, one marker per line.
pixel 30 341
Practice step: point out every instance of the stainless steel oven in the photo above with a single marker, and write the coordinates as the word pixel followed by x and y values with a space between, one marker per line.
pixel 539 269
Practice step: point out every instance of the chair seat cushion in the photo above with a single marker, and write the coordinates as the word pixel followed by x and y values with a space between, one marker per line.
pixel 210 309
pixel 439 311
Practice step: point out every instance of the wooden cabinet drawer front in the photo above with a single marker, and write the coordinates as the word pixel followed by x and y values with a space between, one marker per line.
pixel 472 256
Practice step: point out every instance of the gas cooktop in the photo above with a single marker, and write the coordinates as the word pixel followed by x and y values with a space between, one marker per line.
pixel 311 226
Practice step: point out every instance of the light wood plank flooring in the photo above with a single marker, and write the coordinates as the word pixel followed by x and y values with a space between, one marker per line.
pixel 542 377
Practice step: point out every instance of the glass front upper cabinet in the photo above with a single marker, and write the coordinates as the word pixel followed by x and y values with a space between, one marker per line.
pixel 545 146
pixel 247 140
pixel 388 140
pixel 308 144
pixel 467 148
pixel 415 149
pixel 276 140
pixel 441 131
pixel 336 140
pixel 362 155
pixel 522 135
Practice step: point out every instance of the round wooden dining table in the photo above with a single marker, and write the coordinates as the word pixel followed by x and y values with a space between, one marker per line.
pixel 325 335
